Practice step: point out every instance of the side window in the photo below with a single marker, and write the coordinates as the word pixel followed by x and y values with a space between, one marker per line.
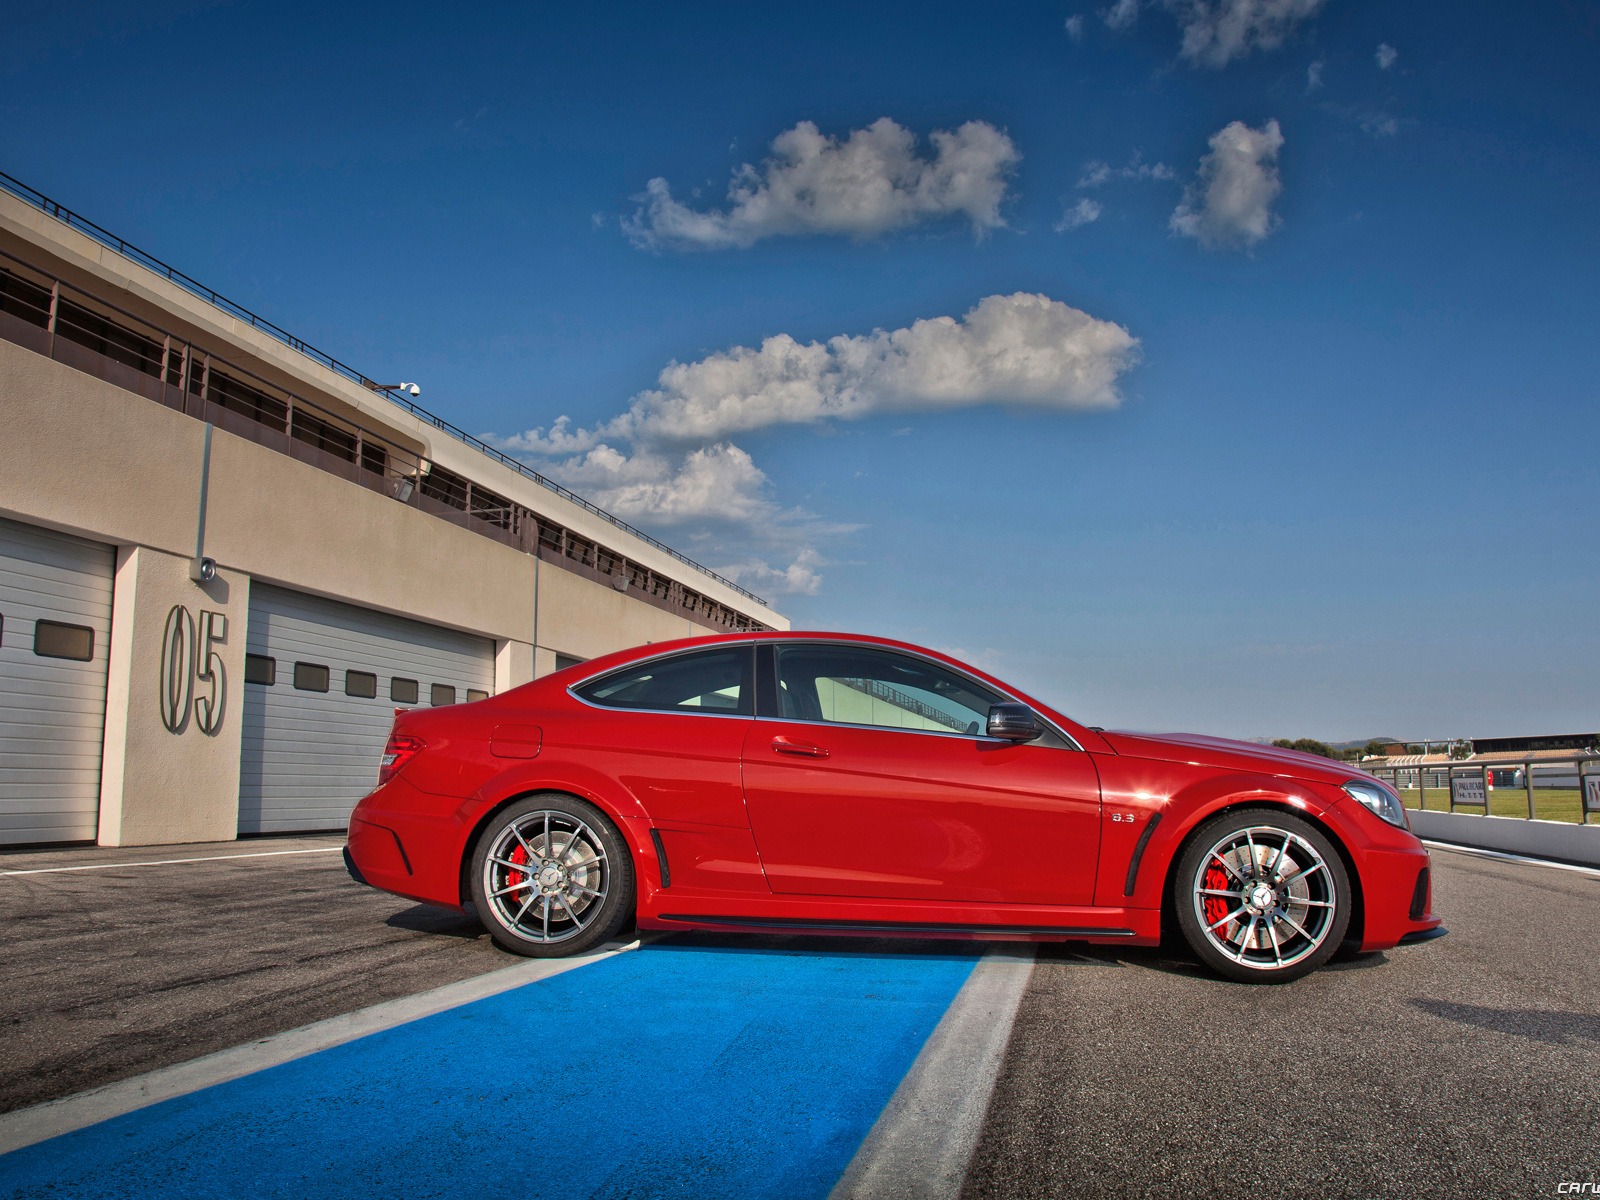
pixel 851 686
pixel 702 681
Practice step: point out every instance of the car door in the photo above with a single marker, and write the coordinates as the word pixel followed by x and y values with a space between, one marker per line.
pixel 868 774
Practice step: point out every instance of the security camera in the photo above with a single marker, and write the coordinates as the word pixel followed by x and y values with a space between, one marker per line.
pixel 411 389
pixel 203 570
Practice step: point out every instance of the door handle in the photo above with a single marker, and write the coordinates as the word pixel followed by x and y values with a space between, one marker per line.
pixel 804 749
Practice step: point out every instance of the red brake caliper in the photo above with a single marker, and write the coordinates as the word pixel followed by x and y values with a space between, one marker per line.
pixel 519 855
pixel 1216 907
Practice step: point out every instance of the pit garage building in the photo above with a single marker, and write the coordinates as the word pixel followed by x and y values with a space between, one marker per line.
pixel 226 558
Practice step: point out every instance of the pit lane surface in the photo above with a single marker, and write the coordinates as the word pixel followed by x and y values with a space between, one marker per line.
pixel 1469 1066
pixel 1470 1063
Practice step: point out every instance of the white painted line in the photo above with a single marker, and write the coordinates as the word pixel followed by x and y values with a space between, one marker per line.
pixel 1592 872
pixel 55 1117
pixel 172 862
pixel 921 1145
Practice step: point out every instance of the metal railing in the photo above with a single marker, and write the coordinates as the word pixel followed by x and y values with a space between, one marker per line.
pixel 150 262
pixel 70 325
pixel 1528 775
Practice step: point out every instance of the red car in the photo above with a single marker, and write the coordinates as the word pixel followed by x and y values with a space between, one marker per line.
pixel 833 783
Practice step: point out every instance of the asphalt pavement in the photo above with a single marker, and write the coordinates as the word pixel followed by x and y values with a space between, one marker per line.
pixel 117 970
pixel 1466 1066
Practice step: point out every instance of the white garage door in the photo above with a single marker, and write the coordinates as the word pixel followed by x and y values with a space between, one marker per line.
pixel 55 633
pixel 313 734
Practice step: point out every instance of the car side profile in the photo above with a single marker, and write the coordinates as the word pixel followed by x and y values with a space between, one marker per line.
pixel 841 784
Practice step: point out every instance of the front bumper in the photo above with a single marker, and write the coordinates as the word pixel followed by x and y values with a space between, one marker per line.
pixel 1397 897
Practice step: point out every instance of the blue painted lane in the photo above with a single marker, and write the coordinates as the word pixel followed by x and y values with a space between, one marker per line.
pixel 670 1071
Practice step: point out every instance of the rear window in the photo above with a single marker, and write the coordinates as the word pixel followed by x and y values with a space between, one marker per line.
pixel 703 681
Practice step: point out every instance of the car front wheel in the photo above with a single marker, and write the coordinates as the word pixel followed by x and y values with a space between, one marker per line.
pixel 551 877
pixel 1262 896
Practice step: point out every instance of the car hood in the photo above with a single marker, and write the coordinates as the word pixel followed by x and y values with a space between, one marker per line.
pixel 1229 755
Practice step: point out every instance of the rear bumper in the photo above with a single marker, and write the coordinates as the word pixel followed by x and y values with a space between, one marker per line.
pixel 408 842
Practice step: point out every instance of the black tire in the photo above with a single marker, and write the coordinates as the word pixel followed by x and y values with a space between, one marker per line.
pixel 580 892
pixel 1261 896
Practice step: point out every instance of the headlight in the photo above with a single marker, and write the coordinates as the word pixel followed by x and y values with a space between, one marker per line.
pixel 1380 800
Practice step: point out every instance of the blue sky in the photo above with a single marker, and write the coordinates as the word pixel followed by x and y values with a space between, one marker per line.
pixel 1313 459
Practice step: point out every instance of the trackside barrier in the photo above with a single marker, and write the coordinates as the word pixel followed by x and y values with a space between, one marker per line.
pixel 1469 822
pixel 1470 786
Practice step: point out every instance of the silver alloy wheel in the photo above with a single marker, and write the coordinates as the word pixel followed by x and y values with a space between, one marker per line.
pixel 546 876
pixel 1265 897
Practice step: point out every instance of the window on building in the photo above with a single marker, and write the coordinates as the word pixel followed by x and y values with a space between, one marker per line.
pixel 361 683
pixel 52 639
pixel 441 694
pixel 475 694
pixel 310 677
pixel 403 691
pixel 563 661
pixel 258 668
pixel 323 434
pixel 703 681
pixel 445 486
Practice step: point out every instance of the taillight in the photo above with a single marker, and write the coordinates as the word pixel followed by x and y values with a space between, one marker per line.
pixel 402 748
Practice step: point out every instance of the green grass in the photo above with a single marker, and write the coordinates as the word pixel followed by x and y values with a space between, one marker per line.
pixel 1549 804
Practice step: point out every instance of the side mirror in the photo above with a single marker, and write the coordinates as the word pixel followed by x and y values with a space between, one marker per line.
pixel 1013 722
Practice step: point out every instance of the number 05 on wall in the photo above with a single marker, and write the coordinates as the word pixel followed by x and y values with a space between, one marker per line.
pixel 188 657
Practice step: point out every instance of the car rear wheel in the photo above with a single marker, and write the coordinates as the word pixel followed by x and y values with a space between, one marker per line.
pixel 1262 896
pixel 551 877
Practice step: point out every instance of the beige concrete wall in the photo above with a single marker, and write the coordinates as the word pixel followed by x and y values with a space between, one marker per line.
pixel 293 524
pixel 586 619
pixel 83 456
pixel 86 457
pixel 81 260
pixel 513 665
pixel 161 785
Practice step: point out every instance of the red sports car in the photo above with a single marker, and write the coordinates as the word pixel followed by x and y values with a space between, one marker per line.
pixel 833 783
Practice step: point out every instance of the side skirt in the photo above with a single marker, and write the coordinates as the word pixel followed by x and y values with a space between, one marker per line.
pixel 915 928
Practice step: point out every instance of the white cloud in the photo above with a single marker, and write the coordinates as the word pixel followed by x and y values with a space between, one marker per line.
pixel 1229 204
pixel 800 577
pixel 1386 56
pixel 869 183
pixel 1379 124
pixel 1314 77
pixel 679 467
pixel 1022 349
pixel 1074 26
pixel 1217 32
pixel 1083 212
pixel 716 482
pixel 1121 15
pixel 1097 174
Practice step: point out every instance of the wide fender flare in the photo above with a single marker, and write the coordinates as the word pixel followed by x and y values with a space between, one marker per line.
pixel 1193 805
pixel 556 775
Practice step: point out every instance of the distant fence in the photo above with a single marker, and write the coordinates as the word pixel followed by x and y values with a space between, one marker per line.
pixel 1471 784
